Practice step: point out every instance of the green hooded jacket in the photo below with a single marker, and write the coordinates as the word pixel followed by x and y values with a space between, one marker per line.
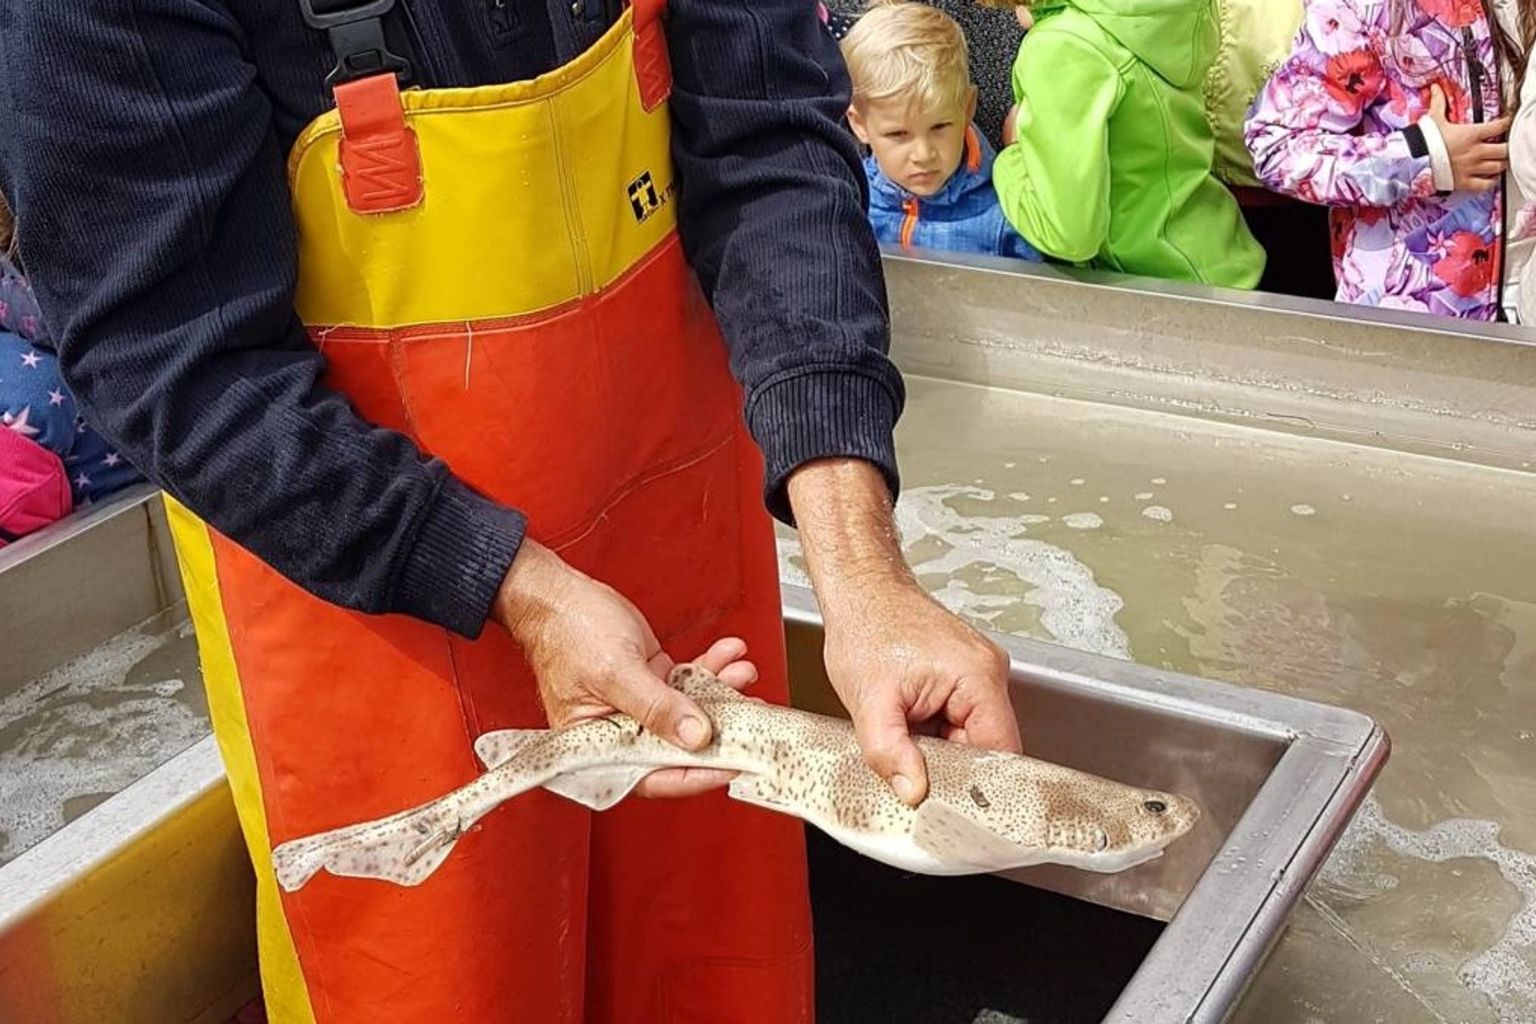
pixel 1113 160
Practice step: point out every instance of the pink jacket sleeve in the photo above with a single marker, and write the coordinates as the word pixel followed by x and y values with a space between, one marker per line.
pixel 1302 130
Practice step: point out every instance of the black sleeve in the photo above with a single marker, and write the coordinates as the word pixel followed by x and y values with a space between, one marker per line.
pixel 772 205
pixel 153 216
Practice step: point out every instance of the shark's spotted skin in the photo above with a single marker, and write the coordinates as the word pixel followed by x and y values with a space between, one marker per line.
pixel 985 811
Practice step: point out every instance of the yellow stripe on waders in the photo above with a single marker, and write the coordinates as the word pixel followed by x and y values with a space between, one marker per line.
pixel 286 994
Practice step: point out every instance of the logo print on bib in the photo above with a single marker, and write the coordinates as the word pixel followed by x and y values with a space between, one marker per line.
pixel 644 200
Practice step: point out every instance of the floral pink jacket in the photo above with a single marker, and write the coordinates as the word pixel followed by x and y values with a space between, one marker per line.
pixel 1337 124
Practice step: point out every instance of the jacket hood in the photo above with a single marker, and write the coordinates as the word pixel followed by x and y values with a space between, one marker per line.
pixel 1177 39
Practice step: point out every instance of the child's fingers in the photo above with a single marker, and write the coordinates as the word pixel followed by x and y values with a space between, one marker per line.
pixel 1493 129
pixel 1436 103
pixel 1491 151
pixel 1483 184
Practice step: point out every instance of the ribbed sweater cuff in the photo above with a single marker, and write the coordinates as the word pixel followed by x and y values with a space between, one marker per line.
pixel 820 414
pixel 460 556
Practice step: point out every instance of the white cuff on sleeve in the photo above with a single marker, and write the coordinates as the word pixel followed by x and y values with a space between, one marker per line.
pixel 1439 155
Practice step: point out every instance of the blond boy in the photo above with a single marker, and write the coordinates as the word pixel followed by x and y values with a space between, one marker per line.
pixel 929 169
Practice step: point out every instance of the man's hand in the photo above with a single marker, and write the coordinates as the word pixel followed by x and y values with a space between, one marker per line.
pixel 900 661
pixel 897 659
pixel 593 654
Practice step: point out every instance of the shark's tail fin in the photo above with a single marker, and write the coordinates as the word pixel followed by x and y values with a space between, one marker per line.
pixel 403 848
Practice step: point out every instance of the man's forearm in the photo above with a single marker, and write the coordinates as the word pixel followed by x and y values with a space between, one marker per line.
pixel 847 529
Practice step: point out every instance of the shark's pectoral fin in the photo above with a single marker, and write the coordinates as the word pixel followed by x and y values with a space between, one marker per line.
pixel 949 836
pixel 758 791
pixel 598 788
pixel 496 748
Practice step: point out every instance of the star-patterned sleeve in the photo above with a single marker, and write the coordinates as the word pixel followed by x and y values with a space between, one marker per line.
pixel 18 306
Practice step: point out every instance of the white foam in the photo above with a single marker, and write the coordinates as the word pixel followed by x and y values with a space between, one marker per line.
pixel 1083 520
pixel 1143 495
pixel 1159 513
pixel 1230 506
pixel 1019 496
pixel 1304 510
pixel 1504 972
pixel 1159 480
pixel 1077 481
pixel 84 729
pixel 1074 609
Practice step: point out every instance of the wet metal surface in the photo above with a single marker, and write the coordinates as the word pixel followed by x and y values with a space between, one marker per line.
pixel 1291 500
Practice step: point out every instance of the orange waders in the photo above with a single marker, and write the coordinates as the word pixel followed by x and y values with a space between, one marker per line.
pixel 496 272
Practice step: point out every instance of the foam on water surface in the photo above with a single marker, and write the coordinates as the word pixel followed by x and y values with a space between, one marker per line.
pixel 985 565
pixel 1505 971
pixel 91 727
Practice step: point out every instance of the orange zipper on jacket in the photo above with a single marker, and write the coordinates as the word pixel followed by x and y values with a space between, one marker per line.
pixel 909 222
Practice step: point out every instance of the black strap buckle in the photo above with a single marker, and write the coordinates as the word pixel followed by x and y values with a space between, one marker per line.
pixel 356 31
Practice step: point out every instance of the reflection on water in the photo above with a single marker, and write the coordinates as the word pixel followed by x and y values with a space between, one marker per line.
pixel 1404 587
pixel 72 738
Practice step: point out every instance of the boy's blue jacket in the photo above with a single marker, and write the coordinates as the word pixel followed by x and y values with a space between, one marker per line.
pixel 963 216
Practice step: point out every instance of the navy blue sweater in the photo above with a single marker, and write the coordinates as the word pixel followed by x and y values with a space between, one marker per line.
pixel 142 146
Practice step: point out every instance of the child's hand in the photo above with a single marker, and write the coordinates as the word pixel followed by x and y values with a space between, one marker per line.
pixel 1477 160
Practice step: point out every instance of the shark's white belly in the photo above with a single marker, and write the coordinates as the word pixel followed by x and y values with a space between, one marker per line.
pixel 899 851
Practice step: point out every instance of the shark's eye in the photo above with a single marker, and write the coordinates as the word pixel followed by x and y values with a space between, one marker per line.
pixel 980 798
pixel 1155 806
pixel 1101 841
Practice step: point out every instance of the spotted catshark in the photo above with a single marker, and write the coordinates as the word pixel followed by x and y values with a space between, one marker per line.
pixel 985 810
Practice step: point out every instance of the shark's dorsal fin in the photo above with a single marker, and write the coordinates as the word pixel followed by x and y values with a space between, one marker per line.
pixel 698 681
pixel 496 748
pixel 946 834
